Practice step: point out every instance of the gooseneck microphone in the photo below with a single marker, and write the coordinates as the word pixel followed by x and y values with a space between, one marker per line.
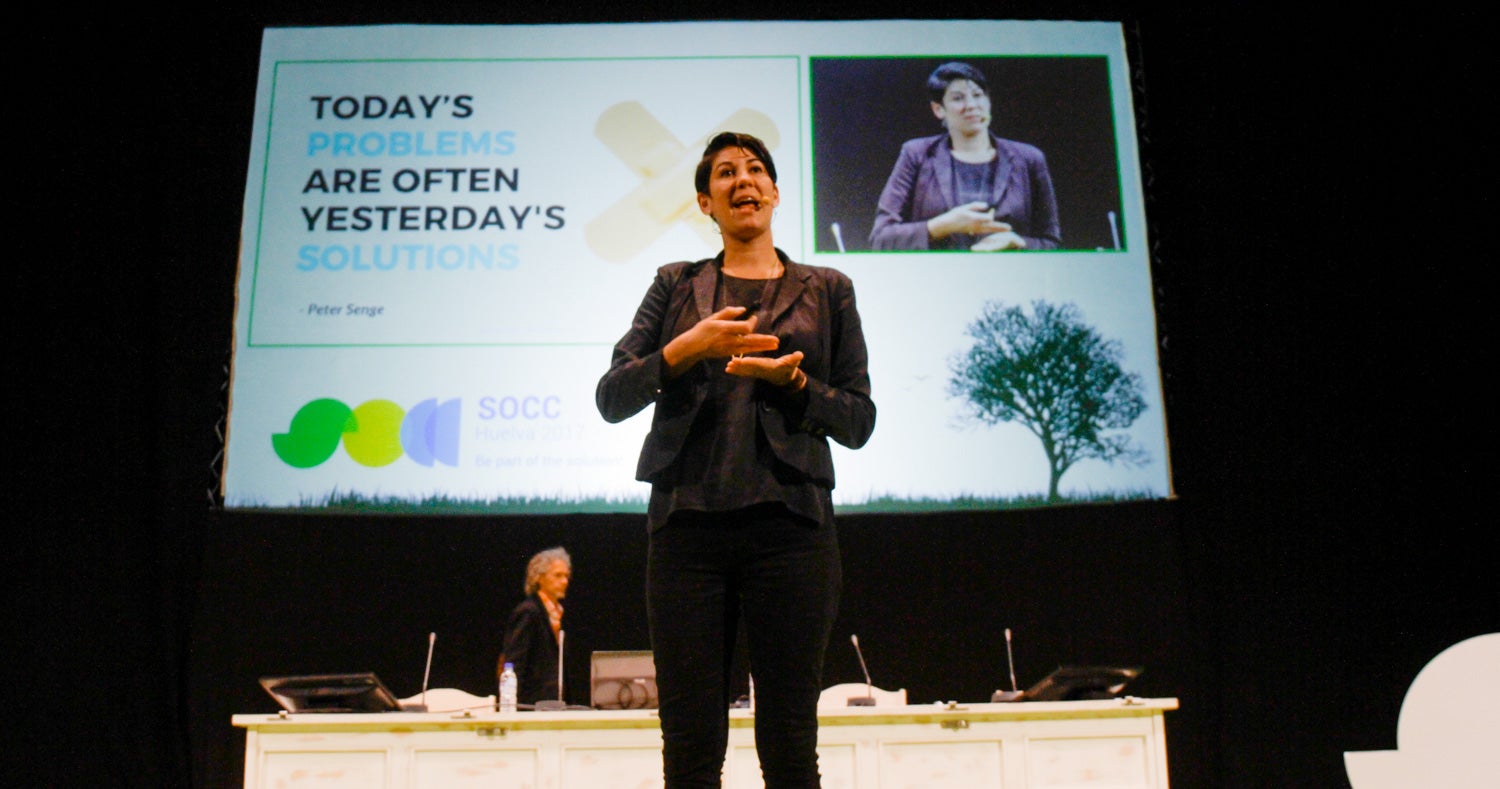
pixel 1013 694
pixel 426 674
pixel 867 700
pixel 553 705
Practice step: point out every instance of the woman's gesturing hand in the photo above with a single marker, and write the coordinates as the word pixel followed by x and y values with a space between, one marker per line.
pixel 976 219
pixel 781 371
pixel 718 336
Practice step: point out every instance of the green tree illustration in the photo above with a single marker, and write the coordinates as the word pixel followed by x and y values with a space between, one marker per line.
pixel 1054 375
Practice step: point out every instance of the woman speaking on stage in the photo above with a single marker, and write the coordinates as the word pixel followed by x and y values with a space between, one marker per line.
pixel 753 362
pixel 966 189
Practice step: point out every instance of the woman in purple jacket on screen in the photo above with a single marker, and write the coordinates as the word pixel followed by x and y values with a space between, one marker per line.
pixel 966 189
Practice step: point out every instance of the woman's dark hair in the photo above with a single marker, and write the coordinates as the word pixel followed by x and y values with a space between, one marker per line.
pixel 937 84
pixel 724 140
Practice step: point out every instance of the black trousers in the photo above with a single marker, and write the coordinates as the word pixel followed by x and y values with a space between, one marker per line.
pixel 706 571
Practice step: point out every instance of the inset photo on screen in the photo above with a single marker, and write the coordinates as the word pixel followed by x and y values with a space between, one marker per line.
pixel 965 153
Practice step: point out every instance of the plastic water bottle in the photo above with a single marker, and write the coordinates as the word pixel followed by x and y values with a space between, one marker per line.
pixel 508 688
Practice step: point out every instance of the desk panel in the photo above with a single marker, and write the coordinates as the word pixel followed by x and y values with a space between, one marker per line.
pixel 1113 744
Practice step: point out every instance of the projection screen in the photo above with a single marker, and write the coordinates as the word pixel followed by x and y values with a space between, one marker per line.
pixel 446 229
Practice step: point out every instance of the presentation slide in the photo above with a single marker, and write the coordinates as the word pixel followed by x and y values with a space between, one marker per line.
pixel 447 228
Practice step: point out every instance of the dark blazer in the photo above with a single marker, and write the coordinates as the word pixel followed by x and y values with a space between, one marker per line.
pixel 532 646
pixel 921 187
pixel 814 313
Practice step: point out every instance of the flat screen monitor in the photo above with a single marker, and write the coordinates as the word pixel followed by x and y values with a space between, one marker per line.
pixel 1076 683
pixel 448 228
pixel 360 692
pixel 622 680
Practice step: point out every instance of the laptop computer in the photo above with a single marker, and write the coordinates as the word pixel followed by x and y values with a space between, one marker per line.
pixel 1079 683
pixel 622 680
pixel 361 692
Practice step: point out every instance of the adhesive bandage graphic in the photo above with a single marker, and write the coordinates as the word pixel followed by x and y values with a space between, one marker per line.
pixel 664 196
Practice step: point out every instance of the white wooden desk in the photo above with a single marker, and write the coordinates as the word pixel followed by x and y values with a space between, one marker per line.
pixel 1114 744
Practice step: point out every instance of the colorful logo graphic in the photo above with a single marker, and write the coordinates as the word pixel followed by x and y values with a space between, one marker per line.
pixel 376 433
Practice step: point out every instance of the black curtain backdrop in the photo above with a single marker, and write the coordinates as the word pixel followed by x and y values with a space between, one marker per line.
pixel 1317 223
